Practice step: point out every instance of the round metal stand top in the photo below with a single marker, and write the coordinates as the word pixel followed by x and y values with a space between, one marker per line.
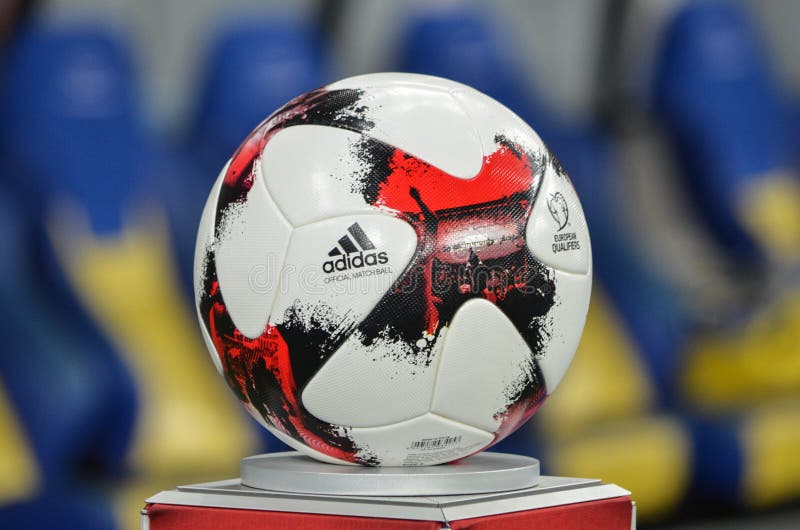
pixel 482 473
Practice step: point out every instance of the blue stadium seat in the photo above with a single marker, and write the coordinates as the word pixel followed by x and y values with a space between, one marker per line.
pixel 68 118
pixel 719 461
pixel 713 91
pixel 462 44
pixel 253 68
pixel 64 122
pixel 106 249
pixel 794 125
pixel 745 459
pixel 64 511
pixel 90 420
pixel 60 392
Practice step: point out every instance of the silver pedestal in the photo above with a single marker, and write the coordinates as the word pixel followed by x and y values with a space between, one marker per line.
pixel 294 472
pixel 233 495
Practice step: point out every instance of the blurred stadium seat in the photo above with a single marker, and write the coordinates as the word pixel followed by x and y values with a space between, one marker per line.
pixel 460 42
pixel 724 112
pixel 58 512
pixel 71 129
pixel 43 357
pixel 57 395
pixel 747 458
pixel 253 67
pixel 716 95
pixel 650 454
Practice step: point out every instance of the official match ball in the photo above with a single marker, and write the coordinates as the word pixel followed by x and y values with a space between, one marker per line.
pixel 392 270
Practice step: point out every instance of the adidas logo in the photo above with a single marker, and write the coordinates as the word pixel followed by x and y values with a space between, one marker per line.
pixel 353 251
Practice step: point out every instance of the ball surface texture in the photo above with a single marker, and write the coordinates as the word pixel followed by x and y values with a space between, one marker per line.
pixel 392 270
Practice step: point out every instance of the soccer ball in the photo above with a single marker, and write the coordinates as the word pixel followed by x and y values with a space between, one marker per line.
pixel 392 270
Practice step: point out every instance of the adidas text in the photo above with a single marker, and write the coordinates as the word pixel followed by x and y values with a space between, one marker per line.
pixel 355 261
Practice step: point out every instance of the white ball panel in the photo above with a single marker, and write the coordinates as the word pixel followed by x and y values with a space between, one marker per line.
pixel 426 440
pixel 250 253
pixel 390 78
pixel 419 114
pixel 566 319
pixel 307 170
pixel 374 386
pixel 484 357
pixel 205 238
pixel 556 232
pixel 350 293
pixel 490 118
pixel 427 122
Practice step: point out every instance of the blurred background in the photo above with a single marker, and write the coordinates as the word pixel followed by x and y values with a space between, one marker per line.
pixel 678 121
